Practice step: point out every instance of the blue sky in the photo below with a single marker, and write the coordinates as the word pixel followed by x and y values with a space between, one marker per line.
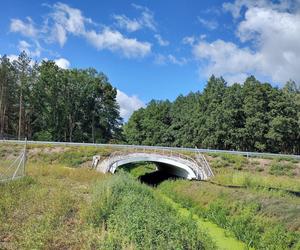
pixel 158 49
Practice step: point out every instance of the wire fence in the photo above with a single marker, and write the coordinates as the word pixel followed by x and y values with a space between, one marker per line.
pixel 12 160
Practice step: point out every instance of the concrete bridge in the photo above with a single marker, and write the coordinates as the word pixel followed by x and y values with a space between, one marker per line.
pixel 169 161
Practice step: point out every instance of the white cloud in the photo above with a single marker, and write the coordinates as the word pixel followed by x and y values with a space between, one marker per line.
pixel 145 20
pixel 62 63
pixel 147 17
pixel 161 41
pixel 209 24
pixel 113 40
pixel 235 8
pixel 71 20
pixel 169 59
pixel 128 104
pixel 190 40
pixel 225 58
pixel 64 20
pixel 12 57
pixel 28 48
pixel 59 34
pixel 23 27
pixel 274 52
pixel 126 23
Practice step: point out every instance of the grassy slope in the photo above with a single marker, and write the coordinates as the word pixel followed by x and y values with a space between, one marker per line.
pixel 58 196
pixel 239 199
pixel 43 210
pixel 58 207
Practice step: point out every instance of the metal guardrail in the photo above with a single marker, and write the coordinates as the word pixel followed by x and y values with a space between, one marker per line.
pixel 120 146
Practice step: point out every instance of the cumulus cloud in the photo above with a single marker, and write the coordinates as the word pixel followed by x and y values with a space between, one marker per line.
pixel 26 28
pixel 113 40
pixel 64 20
pixel 128 104
pixel 225 58
pixel 274 51
pixel 62 63
pixel 161 41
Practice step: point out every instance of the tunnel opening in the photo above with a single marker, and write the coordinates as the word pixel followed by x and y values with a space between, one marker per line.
pixel 150 173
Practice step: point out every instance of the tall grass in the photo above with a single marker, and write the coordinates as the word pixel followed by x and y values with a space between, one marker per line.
pixel 43 210
pixel 252 180
pixel 138 219
pixel 253 217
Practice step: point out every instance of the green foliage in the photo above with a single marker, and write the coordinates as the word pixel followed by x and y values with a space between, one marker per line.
pixel 281 168
pixel 45 102
pixel 139 169
pixel 222 160
pixel 251 117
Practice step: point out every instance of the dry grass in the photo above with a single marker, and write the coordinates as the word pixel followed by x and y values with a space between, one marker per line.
pixel 43 210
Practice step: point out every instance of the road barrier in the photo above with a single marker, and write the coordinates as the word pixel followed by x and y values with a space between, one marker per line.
pixel 141 147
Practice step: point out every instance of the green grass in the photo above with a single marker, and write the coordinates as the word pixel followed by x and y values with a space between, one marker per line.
pixel 221 237
pixel 43 210
pixel 63 205
pixel 261 219
pixel 138 169
pixel 58 207
pixel 256 180
pixel 221 160
pixel 280 168
pixel 138 218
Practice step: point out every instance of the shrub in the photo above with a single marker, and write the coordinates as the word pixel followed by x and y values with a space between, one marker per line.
pixel 280 168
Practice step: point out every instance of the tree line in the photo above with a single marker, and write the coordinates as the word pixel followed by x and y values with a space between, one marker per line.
pixel 252 116
pixel 45 102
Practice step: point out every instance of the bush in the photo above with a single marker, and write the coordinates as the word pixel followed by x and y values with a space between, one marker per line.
pixel 280 168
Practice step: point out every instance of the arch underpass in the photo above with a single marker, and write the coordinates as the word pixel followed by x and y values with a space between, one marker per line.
pixel 173 163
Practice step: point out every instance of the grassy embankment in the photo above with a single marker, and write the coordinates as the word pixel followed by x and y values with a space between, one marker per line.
pixel 58 207
pixel 248 199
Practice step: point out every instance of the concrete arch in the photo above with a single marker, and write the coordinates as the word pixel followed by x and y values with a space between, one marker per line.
pixel 177 165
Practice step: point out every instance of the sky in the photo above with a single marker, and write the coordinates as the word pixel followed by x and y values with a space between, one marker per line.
pixel 158 49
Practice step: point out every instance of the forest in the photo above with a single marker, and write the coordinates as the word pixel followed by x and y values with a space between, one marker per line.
pixel 45 102
pixel 252 116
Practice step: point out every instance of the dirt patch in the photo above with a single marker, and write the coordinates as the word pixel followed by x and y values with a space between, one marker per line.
pixel 56 149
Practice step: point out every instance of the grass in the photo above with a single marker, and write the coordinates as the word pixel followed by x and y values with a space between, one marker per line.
pixel 138 218
pixel 43 210
pixel 138 169
pixel 58 207
pixel 221 160
pixel 257 217
pixel 280 168
pixel 255 180
pixel 61 204
pixel 220 236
